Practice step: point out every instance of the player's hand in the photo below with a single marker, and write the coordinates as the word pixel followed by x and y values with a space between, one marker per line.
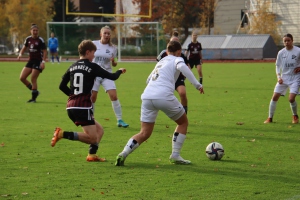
pixel 201 90
pixel 42 65
pixel 280 81
pixel 123 70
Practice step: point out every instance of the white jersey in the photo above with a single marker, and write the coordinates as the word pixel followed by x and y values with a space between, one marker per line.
pixel 161 81
pixel 103 55
pixel 286 62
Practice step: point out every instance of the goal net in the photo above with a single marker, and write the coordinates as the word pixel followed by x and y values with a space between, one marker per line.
pixel 134 40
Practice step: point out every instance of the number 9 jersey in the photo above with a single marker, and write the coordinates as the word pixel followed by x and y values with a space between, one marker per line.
pixel 81 76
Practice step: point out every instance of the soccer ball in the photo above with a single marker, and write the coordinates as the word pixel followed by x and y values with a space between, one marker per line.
pixel 214 151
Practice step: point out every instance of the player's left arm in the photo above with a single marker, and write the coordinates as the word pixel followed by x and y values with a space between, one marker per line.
pixel 44 57
pixel 297 69
pixel 181 66
pixel 105 74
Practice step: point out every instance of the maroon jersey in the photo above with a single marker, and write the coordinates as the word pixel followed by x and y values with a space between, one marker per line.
pixel 81 76
pixel 35 47
pixel 194 49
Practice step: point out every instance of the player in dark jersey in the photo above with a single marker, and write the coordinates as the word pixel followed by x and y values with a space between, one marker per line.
pixel 179 84
pixel 195 55
pixel 36 64
pixel 81 76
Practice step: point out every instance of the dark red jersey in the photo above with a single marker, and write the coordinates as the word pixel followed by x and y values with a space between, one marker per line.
pixel 81 76
pixel 194 49
pixel 35 47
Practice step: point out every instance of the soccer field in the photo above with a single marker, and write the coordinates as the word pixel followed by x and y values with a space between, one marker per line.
pixel 259 161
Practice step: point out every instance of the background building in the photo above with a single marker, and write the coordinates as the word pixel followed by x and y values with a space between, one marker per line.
pixel 229 14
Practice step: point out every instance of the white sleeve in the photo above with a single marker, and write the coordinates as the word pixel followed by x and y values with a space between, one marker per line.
pixel 278 63
pixel 185 70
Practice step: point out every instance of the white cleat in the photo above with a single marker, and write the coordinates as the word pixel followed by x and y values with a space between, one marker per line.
pixel 179 160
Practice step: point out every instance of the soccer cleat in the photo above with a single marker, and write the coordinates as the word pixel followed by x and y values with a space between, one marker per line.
pixel 295 119
pixel 179 160
pixel 120 160
pixel 57 135
pixel 121 123
pixel 94 158
pixel 269 120
pixel 31 101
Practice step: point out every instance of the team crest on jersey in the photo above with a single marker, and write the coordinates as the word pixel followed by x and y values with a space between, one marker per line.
pixel 107 51
pixel 293 56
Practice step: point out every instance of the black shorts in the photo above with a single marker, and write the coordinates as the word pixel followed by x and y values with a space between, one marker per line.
pixel 180 81
pixel 82 117
pixel 193 63
pixel 34 64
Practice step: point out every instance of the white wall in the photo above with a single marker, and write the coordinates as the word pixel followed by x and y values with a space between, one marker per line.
pixel 228 16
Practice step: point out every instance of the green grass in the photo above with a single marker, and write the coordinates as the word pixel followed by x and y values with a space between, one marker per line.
pixel 261 160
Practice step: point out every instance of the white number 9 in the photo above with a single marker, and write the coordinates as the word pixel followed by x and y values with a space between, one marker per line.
pixel 78 83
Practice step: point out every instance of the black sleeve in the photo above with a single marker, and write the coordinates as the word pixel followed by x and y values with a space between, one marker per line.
pixel 63 86
pixel 161 55
pixel 105 74
pixel 184 58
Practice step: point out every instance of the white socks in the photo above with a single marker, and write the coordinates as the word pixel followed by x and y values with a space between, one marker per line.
pixel 272 108
pixel 130 147
pixel 177 142
pixel 117 109
pixel 294 107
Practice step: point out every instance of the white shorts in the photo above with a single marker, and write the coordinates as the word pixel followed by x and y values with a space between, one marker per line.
pixel 281 88
pixel 149 110
pixel 106 83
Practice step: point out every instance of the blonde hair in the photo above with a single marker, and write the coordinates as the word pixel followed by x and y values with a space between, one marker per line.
pixel 102 29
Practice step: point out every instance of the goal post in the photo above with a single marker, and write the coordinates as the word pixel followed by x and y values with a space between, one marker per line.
pixel 135 40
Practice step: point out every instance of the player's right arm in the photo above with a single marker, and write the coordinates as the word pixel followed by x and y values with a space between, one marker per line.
pixel 279 63
pixel 21 52
pixel 63 86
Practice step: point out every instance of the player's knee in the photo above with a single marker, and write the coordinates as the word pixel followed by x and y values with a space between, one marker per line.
pixel 93 139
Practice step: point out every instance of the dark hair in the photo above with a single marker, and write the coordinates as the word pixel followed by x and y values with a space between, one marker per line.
pixel 173 46
pixel 175 33
pixel 33 26
pixel 86 45
pixel 288 35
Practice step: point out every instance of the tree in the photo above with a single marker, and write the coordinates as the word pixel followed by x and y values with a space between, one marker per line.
pixel 174 14
pixel 263 21
pixel 21 13
pixel 59 7
pixel 207 15
pixel 4 24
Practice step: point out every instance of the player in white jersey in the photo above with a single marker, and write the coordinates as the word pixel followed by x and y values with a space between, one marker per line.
pixel 105 57
pixel 288 59
pixel 159 95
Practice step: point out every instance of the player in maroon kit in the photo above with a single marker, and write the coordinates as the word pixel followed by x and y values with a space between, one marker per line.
pixel 36 63
pixel 194 50
pixel 81 76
